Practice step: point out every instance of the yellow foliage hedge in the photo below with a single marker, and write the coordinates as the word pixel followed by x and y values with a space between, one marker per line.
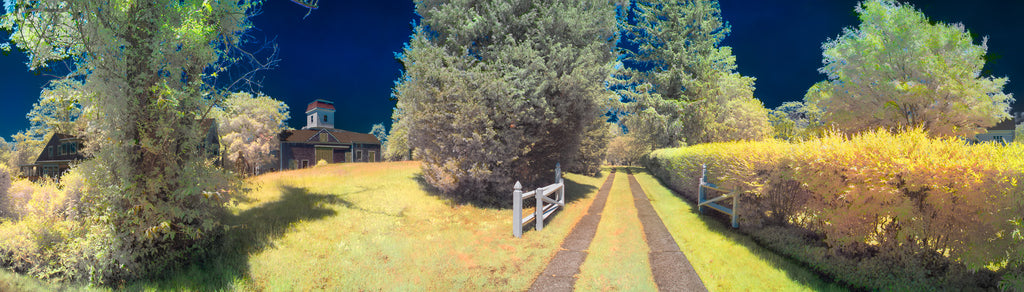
pixel 869 193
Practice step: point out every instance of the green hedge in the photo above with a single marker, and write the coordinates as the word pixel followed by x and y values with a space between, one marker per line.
pixel 906 210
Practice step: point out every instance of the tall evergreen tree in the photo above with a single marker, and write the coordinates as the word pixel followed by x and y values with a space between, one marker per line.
pixel 499 91
pixel 678 81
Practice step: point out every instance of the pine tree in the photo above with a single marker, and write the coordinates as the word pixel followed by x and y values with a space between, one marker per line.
pixel 678 82
pixel 499 91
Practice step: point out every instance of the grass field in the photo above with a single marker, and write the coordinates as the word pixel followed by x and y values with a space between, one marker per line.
pixel 724 259
pixel 373 227
pixel 618 255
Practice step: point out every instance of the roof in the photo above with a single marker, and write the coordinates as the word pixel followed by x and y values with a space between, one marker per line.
pixel 320 103
pixel 55 141
pixel 304 136
pixel 1004 125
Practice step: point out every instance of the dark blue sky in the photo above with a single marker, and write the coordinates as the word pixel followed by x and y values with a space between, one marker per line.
pixel 344 51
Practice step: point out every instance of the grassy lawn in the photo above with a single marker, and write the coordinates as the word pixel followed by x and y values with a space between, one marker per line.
pixel 373 227
pixel 725 259
pixel 618 255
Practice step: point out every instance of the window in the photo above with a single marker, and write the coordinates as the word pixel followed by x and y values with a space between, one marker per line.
pixel 325 118
pixel 305 163
pixel 310 119
pixel 359 155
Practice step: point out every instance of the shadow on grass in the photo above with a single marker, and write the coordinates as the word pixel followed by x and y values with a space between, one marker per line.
pixel 721 223
pixel 573 191
pixel 248 233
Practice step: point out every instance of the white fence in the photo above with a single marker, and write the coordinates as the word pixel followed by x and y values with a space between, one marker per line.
pixel 545 206
pixel 703 201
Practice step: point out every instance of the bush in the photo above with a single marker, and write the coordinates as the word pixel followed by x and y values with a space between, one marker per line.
pixel 625 150
pixel 35 240
pixel 929 209
pixel 5 184
pixel 321 162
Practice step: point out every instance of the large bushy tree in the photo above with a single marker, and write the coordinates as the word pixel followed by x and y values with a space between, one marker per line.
pixel 899 69
pixel 151 195
pixel 678 82
pixel 498 91
pixel 248 126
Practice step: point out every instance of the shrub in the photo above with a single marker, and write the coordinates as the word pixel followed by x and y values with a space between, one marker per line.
pixel 625 150
pixel 5 184
pixel 321 162
pixel 36 240
pixel 930 209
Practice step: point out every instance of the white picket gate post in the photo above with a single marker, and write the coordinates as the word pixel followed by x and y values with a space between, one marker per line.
pixel 539 218
pixel 540 194
pixel 517 210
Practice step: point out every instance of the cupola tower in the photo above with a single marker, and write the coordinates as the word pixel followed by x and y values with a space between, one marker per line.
pixel 320 114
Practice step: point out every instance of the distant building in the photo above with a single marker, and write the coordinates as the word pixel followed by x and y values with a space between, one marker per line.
pixel 319 140
pixel 1003 132
pixel 59 153
pixel 62 150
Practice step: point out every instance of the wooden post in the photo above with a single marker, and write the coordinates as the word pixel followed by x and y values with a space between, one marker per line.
pixel 558 180
pixel 517 210
pixel 735 214
pixel 700 188
pixel 539 217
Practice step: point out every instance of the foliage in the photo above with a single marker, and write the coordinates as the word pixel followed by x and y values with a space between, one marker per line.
pixel 5 184
pixel 738 116
pixel 398 146
pixel 678 84
pixel 35 241
pixel 796 121
pixel 876 200
pixel 248 126
pixel 900 70
pixel 381 133
pixel 151 197
pixel 592 148
pixel 25 149
pixel 626 150
pixel 493 92
pixel 58 109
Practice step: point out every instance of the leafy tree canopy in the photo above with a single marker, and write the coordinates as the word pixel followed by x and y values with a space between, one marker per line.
pixel 898 69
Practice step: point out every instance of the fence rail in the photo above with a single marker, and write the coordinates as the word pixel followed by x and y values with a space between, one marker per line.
pixel 545 205
pixel 703 201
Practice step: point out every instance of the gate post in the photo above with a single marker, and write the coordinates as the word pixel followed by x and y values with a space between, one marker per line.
pixel 700 188
pixel 539 217
pixel 517 210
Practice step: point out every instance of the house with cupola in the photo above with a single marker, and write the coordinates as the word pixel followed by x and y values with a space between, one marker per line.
pixel 319 140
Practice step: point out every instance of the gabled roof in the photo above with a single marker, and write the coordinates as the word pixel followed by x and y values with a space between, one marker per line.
pixel 320 103
pixel 309 136
pixel 55 141
pixel 1004 125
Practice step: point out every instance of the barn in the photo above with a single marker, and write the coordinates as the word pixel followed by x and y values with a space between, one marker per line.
pixel 319 140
